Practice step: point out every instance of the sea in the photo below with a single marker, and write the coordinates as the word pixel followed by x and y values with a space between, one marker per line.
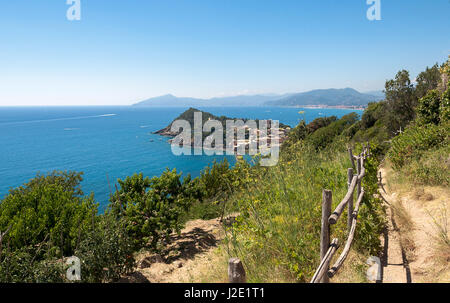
pixel 110 142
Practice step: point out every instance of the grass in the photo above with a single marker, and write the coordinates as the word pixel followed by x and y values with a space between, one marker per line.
pixel 433 168
pixel 442 238
pixel 277 235
pixel 354 269
pixel 405 227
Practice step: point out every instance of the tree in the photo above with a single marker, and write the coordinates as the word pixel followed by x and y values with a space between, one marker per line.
pixel 401 101
pixel 445 76
pixel 427 80
pixel 428 110
pixel 49 208
pixel 151 208
pixel 444 111
pixel 374 112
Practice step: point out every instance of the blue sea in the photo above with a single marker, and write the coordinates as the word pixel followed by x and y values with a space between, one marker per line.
pixel 108 142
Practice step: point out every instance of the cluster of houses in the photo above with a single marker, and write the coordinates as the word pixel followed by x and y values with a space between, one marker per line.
pixel 256 137
pixel 248 138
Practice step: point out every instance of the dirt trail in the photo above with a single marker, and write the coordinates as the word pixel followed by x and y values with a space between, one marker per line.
pixel 411 252
pixel 395 264
pixel 188 256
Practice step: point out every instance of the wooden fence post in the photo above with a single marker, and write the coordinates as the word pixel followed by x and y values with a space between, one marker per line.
pixel 236 271
pixel 327 199
pixel 350 202
pixel 358 187
pixel 350 153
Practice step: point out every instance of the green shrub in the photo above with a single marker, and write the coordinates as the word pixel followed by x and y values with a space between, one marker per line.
pixel 23 266
pixel 216 179
pixel 444 110
pixel 296 134
pixel 319 123
pixel 371 216
pixel 373 113
pixel 48 220
pixel 106 251
pixel 428 110
pixel 151 208
pixel 322 137
pixel 433 167
pixel 47 209
pixel 416 139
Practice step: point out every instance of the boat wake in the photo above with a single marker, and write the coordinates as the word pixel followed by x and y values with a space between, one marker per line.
pixel 58 119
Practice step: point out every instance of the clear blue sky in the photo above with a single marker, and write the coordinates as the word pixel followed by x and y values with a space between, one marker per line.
pixel 122 51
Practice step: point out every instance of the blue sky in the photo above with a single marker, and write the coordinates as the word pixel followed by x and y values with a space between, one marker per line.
pixel 122 51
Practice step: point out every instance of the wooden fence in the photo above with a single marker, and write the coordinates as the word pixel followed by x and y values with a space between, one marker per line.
pixel 327 248
pixel 236 272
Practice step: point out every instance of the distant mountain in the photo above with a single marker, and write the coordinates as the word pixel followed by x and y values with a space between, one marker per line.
pixel 321 97
pixel 244 100
pixel 326 97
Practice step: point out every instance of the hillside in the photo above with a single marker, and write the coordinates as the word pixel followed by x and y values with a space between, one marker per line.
pixel 276 234
pixel 346 97
pixel 327 97
pixel 173 101
pixel 188 115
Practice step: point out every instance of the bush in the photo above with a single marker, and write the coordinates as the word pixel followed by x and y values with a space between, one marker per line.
pixel 296 134
pixel 47 209
pixel 301 131
pixel 374 112
pixel 322 137
pixel 371 216
pixel 416 139
pixel 444 111
pixel 433 168
pixel 23 266
pixel 48 220
pixel 216 180
pixel 428 110
pixel 319 123
pixel 151 208
pixel 106 251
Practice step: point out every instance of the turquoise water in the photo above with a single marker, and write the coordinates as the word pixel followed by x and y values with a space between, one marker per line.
pixel 107 142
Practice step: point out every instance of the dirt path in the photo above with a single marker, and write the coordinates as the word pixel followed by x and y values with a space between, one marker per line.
pixel 416 218
pixel 395 264
pixel 189 256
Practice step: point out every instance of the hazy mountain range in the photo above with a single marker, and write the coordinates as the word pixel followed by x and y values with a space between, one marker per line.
pixel 321 97
pixel 327 97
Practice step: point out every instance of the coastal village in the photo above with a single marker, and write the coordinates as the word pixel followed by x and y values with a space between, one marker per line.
pixel 252 137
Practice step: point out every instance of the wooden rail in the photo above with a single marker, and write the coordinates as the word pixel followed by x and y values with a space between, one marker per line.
pixel 327 249
pixel 236 271
pixel 319 276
